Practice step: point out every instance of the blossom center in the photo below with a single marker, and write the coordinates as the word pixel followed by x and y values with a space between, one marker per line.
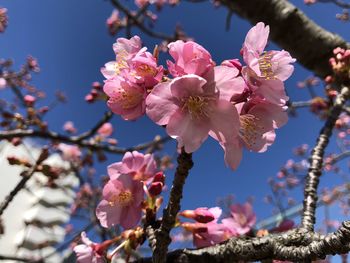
pixel 196 106
pixel 124 198
pixel 250 129
pixel 242 220
pixel 145 70
pixel 121 62
pixel 265 66
pixel 127 99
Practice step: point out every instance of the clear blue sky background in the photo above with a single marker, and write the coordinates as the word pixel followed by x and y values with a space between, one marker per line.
pixel 71 42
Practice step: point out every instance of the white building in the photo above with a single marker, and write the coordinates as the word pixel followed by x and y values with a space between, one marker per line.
pixel 35 216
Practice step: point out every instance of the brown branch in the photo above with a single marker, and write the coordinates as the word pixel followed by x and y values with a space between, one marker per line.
pixel 339 3
pixel 75 140
pixel 28 260
pixel 107 116
pixel 316 161
pixel 163 239
pixel 297 245
pixel 21 184
pixel 137 22
pixel 309 43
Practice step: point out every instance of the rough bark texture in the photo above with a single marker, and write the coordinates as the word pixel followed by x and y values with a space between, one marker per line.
pixel 316 161
pixel 298 245
pixel 291 29
pixel 162 235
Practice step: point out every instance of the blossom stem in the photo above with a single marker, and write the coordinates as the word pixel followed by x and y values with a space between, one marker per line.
pixel 163 239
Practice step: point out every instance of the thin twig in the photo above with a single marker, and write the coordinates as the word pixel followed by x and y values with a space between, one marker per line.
pixel 75 140
pixel 139 24
pixel 21 184
pixel 107 116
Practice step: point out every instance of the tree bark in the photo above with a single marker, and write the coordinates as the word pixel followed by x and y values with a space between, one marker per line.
pixel 292 30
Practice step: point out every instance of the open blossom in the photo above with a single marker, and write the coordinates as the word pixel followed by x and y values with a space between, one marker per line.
pixel 266 64
pixel 3 19
pixel 258 121
pixel 143 69
pixel 124 49
pixel 215 233
pixel 128 77
pixel 133 63
pixel 87 252
pixel 191 108
pixel 190 58
pixel 105 130
pixel 114 22
pixel 3 83
pixel 137 165
pixel 69 127
pixel 70 152
pixel 126 99
pixel 121 203
pixel 266 71
pixel 272 90
pixel 242 218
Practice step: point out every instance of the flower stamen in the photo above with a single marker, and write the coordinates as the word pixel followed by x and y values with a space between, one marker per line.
pixel 250 130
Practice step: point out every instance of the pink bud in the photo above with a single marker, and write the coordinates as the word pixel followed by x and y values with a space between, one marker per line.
pixel 155 188
pixel 89 98
pixel 159 177
pixel 29 100
pixel 201 215
pixel 105 130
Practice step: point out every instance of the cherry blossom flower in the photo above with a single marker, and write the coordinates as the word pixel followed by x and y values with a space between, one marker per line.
pixel 124 49
pixel 270 64
pixel 190 58
pixel 105 130
pixel 135 164
pixel 215 234
pixel 144 69
pixel 125 98
pixel 266 71
pixel 3 19
pixel 271 90
pixel 258 120
pixel 3 83
pixel 70 152
pixel 68 126
pixel 121 203
pixel 191 108
pixel 242 218
pixel 114 22
pixel 87 252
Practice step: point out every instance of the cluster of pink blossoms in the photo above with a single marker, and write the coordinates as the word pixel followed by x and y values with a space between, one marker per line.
pixel 123 194
pixel 239 106
pixel 207 231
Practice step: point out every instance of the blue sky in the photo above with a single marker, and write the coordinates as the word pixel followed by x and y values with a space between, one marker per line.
pixel 71 42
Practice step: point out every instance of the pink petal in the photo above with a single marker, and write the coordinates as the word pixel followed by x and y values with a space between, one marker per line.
pixel 107 214
pixel 224 121
pixel 160 104
pixel 256 38
pixel 190 133
pixel 187 85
